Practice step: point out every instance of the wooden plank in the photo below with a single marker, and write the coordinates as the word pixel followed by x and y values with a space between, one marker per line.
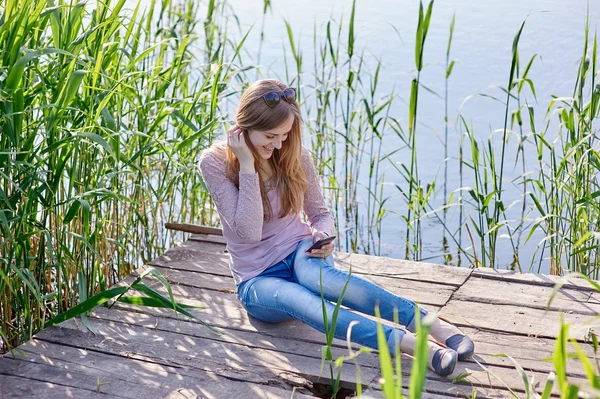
pixel 422 292
pixel 509 322
pixel 165 380
pixel 446 389
pixel 531 353
pixel 502 292
pixel 180 350
pixel 212 238
pixel 528 364
pixel 504 371
pixel 14 387
pixel 530 278
pixel 198 279
pixel 482 384
pixel 185 259
pixel 379 266
pixel 203 246
pixel 150 373
pixel 251 339
pixel 123 365
pixel 513 319
pixel 501 377
pixel 223 310
pixel 408 270
pixel 216 263
pixel 518 346
pixel 493 381
pixel 194 228
pixel 76 379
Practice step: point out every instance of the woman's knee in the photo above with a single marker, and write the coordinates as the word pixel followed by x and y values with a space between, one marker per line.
pixel 259 298
pixel 267 314
pixel 321 276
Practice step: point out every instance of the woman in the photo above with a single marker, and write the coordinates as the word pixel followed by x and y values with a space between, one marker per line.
pixel 260 180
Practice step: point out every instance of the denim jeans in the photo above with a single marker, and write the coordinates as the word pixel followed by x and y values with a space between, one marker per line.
pixel 291 289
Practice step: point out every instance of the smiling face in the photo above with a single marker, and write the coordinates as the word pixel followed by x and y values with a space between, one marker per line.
pixel 267 141
pixel 274 134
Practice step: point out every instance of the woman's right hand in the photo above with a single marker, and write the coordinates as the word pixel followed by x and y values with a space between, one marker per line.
pixel 237 143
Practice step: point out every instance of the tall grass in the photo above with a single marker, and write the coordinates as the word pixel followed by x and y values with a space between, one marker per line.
pixel 330 325
pixel 449 67
pixel 392 373
pixel 567 187
pixel 416 195
pixel 103 111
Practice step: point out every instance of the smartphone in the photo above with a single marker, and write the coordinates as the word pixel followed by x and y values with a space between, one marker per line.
pixel 321 242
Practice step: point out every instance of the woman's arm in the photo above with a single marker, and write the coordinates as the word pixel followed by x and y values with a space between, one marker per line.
pixel 314 205
pixel 241 210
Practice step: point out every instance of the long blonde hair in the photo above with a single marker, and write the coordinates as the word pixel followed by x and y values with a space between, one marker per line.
pixel 254 114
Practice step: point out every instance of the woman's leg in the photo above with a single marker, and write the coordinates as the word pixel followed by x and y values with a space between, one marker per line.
pixel 361 294
pixel 364 295
pixel 273 299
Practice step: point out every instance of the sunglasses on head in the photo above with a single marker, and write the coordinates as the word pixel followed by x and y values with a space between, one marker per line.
pixel 272 98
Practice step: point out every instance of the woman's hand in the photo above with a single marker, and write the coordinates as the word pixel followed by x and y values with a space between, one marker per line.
pixel 325 250
pixel 237 143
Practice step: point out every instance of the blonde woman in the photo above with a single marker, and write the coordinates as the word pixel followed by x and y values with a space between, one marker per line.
pixel 260 180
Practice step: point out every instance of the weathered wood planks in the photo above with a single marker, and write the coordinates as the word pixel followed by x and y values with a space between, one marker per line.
pixel 149 352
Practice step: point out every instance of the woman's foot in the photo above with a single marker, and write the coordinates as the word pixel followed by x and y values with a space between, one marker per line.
pixel 453 338
pixel 442 361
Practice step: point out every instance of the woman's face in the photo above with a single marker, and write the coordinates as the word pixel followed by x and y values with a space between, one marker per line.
pixel 266 141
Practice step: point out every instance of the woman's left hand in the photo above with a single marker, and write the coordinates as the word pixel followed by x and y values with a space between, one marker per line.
pixel 325 250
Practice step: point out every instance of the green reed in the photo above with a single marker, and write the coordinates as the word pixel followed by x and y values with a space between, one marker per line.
pixel 345 121
pixel 266 7
pixel 416 195
pixel 102 115
pixel 449 66
pixel 567 186
pixel 348 121
pixel 330 325
pixel 391 372
pixel 563 192
pixel 517 117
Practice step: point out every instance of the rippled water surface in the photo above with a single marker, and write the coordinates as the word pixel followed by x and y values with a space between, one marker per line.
pixel 482 42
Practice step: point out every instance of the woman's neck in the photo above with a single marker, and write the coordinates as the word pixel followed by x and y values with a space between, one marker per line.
pixel 266 164
pixel 266 167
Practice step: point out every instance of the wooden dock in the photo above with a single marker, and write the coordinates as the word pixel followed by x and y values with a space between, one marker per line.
pixel 141 352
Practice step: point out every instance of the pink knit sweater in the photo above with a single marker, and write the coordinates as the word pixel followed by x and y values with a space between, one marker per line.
pixel 255 244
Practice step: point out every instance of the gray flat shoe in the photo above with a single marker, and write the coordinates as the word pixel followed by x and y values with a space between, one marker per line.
pixel 462 344
pixel 444 361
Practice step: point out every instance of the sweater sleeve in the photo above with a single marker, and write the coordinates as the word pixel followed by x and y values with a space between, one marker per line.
pixel 241 209
pixel 314 205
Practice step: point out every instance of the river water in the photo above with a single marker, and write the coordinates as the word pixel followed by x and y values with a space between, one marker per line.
pixel 483 36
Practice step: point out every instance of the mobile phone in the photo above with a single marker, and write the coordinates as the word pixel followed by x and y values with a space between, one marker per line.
pixel 321 242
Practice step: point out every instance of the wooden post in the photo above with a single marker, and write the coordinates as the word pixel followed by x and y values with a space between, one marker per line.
pixel 194 228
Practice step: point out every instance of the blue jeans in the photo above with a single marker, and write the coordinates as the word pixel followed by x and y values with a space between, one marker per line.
pixel 291 289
